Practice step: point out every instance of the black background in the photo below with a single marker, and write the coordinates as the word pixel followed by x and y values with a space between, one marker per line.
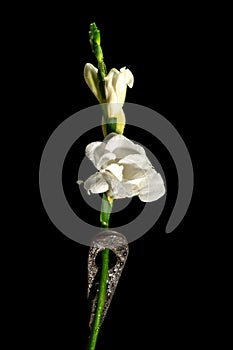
pixel 161 293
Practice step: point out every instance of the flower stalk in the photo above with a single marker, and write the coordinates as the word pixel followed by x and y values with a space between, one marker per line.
pixel 124 171
pixel 107 202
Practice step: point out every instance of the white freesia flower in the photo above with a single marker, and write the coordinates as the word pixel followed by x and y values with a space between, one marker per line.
pixel 115 90
pixel 116 83
pixel 123 170
pixel 115 86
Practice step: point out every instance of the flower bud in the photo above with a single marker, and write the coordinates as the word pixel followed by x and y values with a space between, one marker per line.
pixel 92 80
pixel 115 87
pixel 97 37
pixel 99 54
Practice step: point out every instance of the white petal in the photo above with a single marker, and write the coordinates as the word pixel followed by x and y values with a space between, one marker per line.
pixel 122 146
pixel 92 80
pixel 116 170
pixel 94 151
pixel 132 172
pixel 115 110
pixel 109 136
pixel 139 149
pixel 129 78
pixel 133 186
pixel 135 166
pixel 110 86
pixel 122 80
pixel 104 159
pixel 91 147
pixel 134 183
pixel 116 85
pixel 116 188
pixel 121 87
pixel 154 188
pixel 96 184
pixel 90 150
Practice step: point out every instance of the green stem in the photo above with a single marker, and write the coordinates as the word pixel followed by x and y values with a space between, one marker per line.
pixel 100 302
pixel 106 206
pixel 106 209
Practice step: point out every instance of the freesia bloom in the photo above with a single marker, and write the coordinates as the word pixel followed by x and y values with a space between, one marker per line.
pixel 115 87
pixel 123 170
pixel 116 83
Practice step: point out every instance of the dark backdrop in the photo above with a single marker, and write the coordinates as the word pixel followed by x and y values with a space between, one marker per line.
pixel 159 297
